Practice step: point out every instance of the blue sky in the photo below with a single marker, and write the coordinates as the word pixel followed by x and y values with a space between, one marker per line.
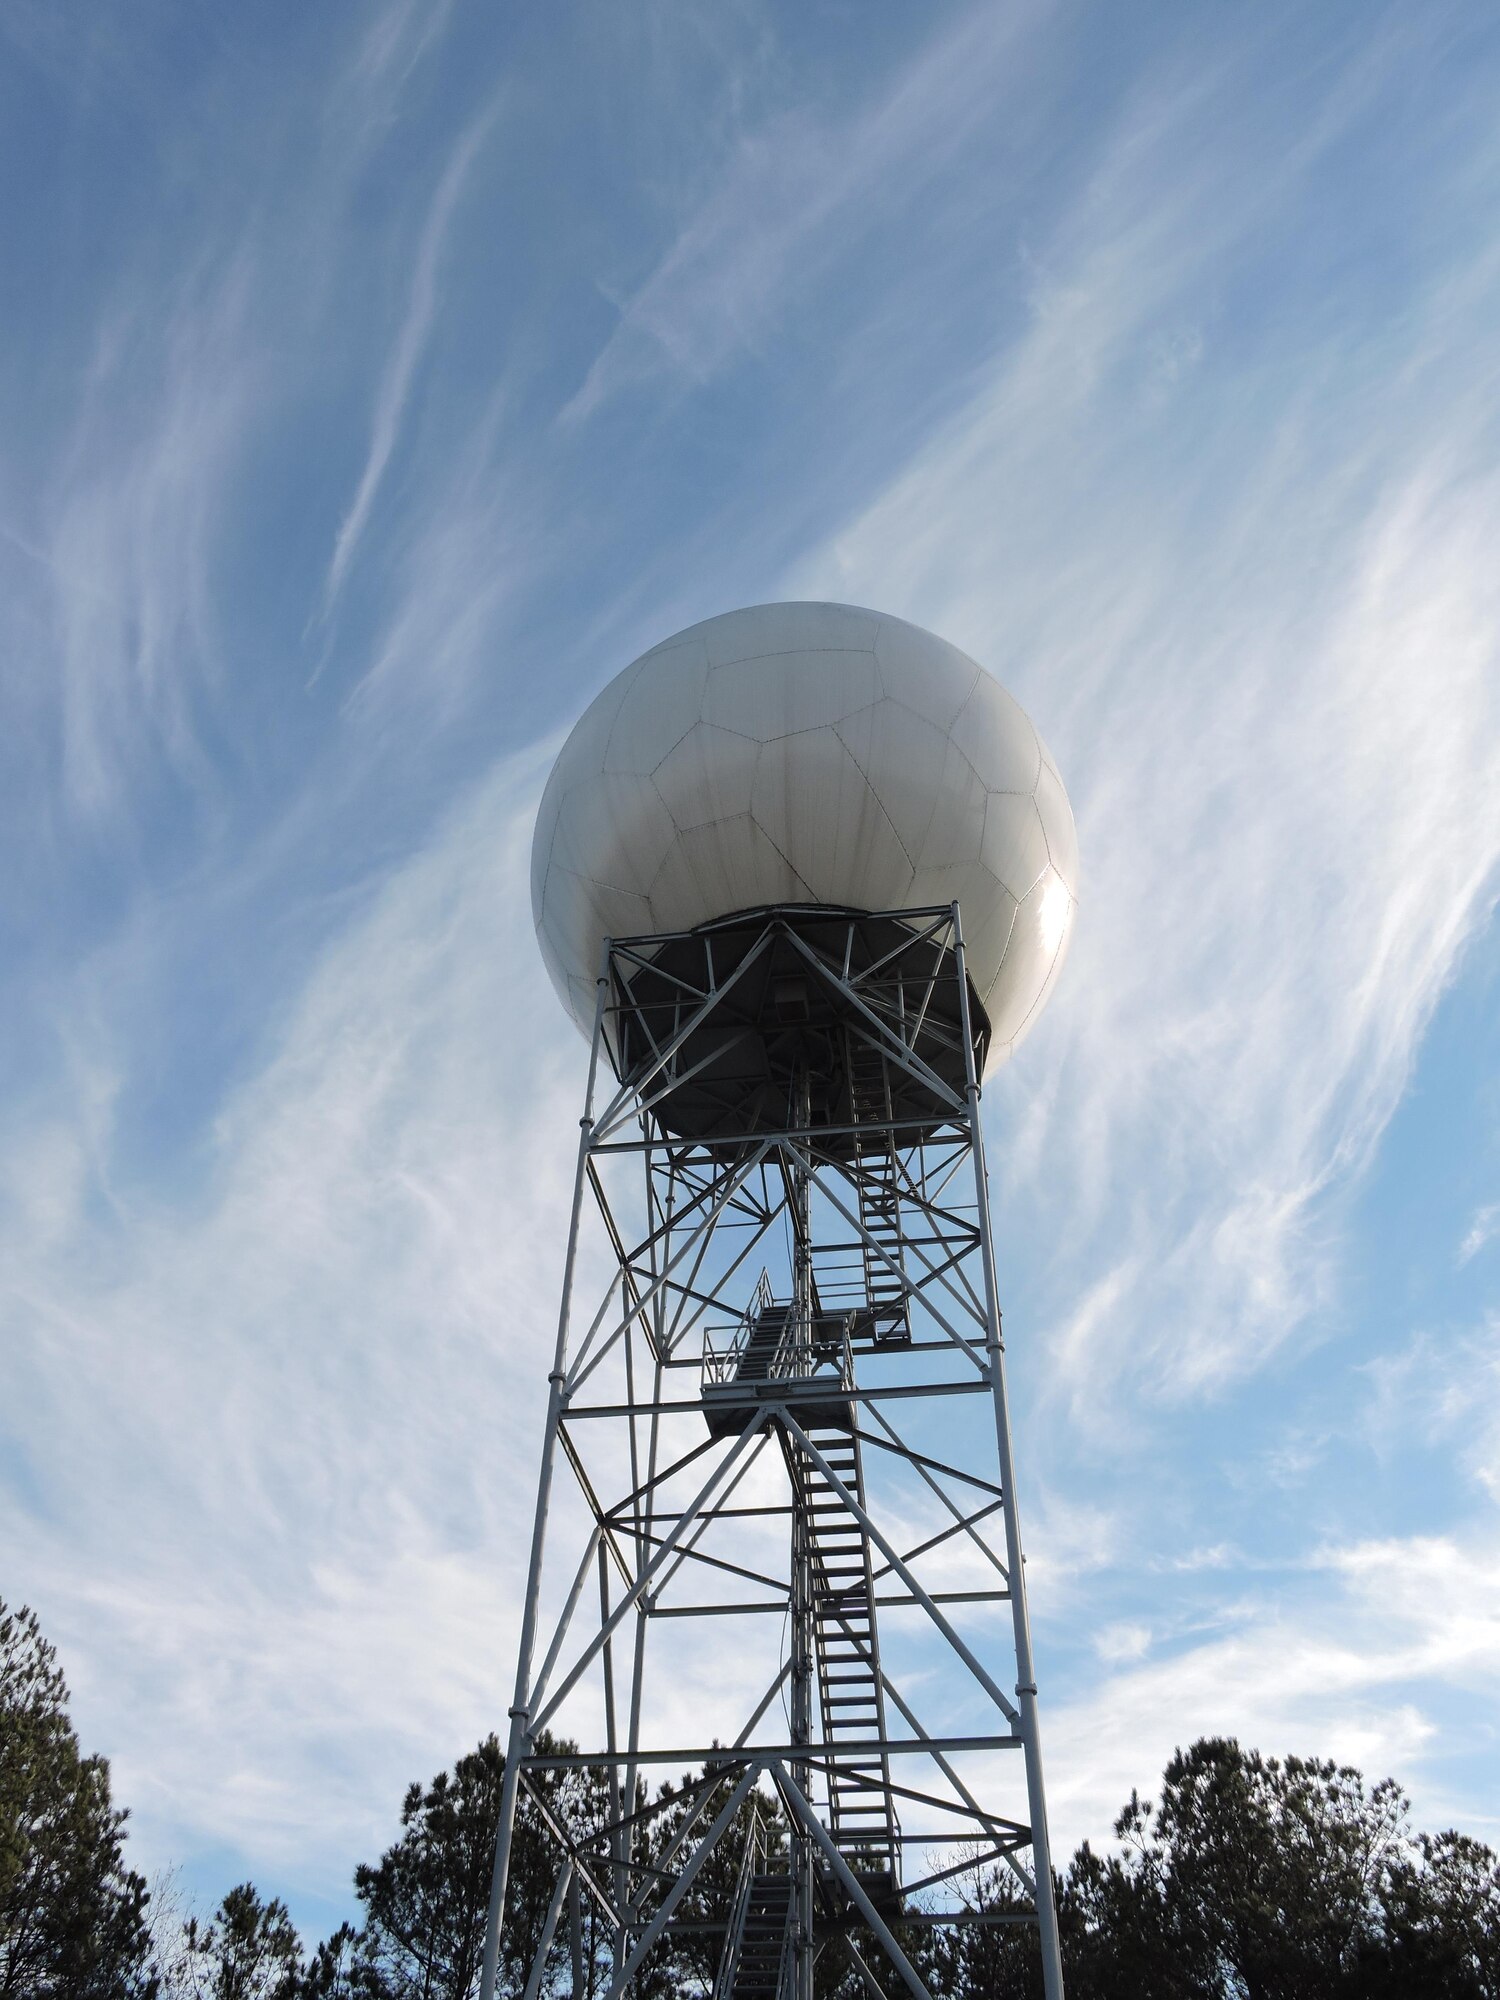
pixel 378 381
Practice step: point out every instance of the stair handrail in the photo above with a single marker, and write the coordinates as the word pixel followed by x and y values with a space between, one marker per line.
pixel 793 1358
pixel 721 1362
pixel 784 1963
pixel 806 1348
pixel 809 1343
pixel 734 1935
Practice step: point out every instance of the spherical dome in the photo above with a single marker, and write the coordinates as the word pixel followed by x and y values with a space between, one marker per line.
pixel 808 753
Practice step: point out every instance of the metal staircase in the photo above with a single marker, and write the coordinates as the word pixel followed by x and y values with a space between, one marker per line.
pixel 761 1957
pixel 885 1316
pixel 755 1961
pixel 765 1330
pixel 805 1363
pixel 847 1647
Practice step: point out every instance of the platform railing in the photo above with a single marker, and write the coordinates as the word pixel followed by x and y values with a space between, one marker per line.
pixel 809 1346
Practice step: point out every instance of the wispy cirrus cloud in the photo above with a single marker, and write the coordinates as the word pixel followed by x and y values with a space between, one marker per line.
pixel 1278 717
pixel 1440 1392
pixel 205 345
pixel 1483 1228
pixel 395 387
pixel 324 1360
pixel 1344 1672
pixel 397 37
pixel 134 514
pixel 793 188
pixel 1160 374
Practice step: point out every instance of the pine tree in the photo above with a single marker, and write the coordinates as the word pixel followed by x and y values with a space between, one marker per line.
pixel 72 1915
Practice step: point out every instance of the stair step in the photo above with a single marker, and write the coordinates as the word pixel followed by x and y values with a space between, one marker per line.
pixel 847 1651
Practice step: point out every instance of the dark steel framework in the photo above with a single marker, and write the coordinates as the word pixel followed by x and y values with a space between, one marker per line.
pixel 795 1564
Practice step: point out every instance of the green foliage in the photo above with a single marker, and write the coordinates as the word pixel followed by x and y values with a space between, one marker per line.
pixel 72 1916
pixel 1250 1878
pixel 688 1960
pixel 1258 1879
pixel 427 1899
pixel 333 1972
pixel 1441 1921
pixel 251 1951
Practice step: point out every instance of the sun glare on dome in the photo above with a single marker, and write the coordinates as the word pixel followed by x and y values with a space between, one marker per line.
pixel 1052 917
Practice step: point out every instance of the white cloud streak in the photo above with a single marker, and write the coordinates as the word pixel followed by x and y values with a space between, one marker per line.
pixel 1280 721
pixel 791 193
pixel 133 517
pixel 395 387
pixel 1481 1232
pixel 327 1361
pixel 1350 1678
pixel 281 1423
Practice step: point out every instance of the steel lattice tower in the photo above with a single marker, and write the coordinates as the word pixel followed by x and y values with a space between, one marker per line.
pixel 777 1439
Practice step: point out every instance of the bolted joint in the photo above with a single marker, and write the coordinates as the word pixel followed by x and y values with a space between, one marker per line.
pixel 1025 1687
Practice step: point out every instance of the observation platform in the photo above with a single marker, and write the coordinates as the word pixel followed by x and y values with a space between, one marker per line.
pixel 772 1356
pixel 796 1017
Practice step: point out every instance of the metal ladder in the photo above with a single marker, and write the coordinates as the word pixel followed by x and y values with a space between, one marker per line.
pixel 885 1315
pixel 755 1960
pixel 847 1642
pixel 762 1945
pixel 767 1329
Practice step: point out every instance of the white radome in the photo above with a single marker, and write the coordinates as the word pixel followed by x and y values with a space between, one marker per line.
pixel 808 753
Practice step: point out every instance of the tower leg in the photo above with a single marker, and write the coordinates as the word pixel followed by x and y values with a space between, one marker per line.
pixel 1041 1849
pixel 801 1855
pixel 520 1705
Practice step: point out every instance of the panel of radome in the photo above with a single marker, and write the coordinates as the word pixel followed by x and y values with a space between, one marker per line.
pixel 955 831
pixel 1034 945
pixel 930 676
pixel 779 693
pixel 987 907
pixel 1057 823
pixel 811 798
pixel 574 909
pixel 581 1001
pixel 541 841
pixel 667 694
pixel 789 628
pixel 589 739
pixel 1014 846
pixel 729 864
pixel 998 739
pixel 614 829
pixel 903 758
pixel 577 914
pixel 709 774
pixel 1059 960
